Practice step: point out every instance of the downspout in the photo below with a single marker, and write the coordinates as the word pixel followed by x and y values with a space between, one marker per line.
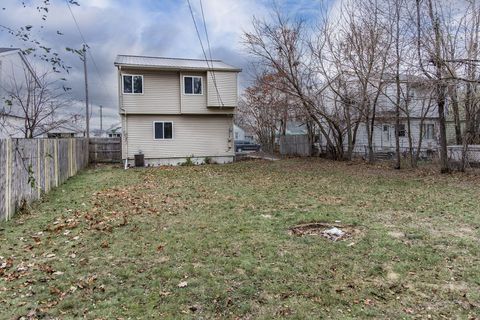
pixel 120 99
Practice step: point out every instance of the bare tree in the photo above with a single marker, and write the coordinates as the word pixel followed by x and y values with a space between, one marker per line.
pixel 264 110
pixel 38 100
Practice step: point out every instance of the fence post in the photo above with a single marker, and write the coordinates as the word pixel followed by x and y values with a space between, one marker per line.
pixel 7 178
pixel 55 159
pixel 39 177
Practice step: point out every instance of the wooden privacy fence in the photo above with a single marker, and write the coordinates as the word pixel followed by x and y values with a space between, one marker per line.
pixel 295 145
pixel 105 150
pixel 30 167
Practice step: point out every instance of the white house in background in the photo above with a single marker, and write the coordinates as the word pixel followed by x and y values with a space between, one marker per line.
pixel 115 131
pixel 238 132
pixel 72 129
pixel 12 66
pixel 422 116
pixel 243 134
pixel 173 109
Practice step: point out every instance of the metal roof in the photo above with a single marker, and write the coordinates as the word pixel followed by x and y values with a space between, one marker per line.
pixel 172 63
pixel 2 50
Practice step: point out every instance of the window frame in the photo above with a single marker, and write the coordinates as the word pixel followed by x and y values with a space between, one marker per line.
pixel 425 131
pixel 133 85
pixel 397 130
pixel 161 139
pixel 193 87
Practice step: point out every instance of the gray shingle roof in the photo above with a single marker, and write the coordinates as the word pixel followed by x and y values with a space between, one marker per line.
pixel 2 50
pixel 172 63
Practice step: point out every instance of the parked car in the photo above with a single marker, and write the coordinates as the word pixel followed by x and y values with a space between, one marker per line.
pixel 245 145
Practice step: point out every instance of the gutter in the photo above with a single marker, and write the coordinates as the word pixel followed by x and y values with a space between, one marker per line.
pixel 120 101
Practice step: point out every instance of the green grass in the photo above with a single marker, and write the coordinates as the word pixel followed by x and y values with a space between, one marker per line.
pixel 111 244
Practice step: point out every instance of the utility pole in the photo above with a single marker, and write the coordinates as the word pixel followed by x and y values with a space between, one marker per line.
pixel 101 121
pixel 87 113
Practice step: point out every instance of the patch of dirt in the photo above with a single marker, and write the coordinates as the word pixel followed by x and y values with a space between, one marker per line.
pixel 325 230
pixel 396 234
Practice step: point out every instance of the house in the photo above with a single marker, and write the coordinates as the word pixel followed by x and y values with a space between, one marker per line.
pixel 73 129
pixel 243 133
pixel 115 131
pixel 12 67
pixel 418 120
pixel 173 109
pixel 239 132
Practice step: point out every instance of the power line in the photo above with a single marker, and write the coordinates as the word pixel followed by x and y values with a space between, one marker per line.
pixel 210 52
pixel 203 49
pixel 89 51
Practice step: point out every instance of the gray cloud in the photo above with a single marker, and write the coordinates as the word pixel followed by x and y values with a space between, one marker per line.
pixel 114 27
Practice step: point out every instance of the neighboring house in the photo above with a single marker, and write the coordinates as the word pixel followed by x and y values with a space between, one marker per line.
pixel 239 133
pixel 243 133
pixel 67 130
pixel 422 114
pixel 115 131
pixel 174 109
pixel 12 66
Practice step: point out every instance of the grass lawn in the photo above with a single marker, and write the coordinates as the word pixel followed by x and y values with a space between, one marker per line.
pixel 212 242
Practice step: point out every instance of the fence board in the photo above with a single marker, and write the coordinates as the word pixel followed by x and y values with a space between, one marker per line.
pixel 105 150
pixel 30 167
pixel 295 145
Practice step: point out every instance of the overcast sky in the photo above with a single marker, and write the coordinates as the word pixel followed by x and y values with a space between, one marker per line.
pixel 148 27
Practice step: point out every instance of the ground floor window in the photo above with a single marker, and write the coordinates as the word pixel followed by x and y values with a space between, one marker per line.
pixel 402 132
pixel 163 130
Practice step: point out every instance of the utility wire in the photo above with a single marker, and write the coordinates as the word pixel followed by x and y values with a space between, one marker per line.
pixel 89 51
pixel 203 49
pixel 210 52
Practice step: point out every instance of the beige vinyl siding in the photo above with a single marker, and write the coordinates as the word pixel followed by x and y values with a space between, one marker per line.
pixel 227 89
pixel 197 104
pixel 199 136
pixel 193 103
pixel 161 93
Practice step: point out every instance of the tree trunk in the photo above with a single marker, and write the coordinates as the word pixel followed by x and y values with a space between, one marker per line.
pixel 456 113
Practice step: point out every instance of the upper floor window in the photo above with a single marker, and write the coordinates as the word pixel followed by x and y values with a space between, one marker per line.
pixel 192 85
pixel 132 84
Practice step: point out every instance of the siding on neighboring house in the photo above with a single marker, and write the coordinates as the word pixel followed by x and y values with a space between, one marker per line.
pixel 196 135
pixel 384 140
pixel 10 127
pixel 161 93
pixel 12 68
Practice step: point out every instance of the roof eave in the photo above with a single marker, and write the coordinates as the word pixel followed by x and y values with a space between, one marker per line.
pixel 165 68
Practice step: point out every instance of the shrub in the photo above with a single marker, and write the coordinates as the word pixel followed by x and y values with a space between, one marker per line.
pixel 188 162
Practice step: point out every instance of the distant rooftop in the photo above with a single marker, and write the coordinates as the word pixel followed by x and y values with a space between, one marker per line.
pixel 2 50
pixel 172 63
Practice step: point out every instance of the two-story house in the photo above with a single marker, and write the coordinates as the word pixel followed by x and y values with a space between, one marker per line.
pixel 174 109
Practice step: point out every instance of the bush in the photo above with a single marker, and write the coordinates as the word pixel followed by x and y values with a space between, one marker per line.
pixel 188 162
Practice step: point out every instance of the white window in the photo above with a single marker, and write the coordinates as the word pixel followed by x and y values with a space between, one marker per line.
pixel 429 131
pixel 132 84
pixel 192 85
pixel 163 130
